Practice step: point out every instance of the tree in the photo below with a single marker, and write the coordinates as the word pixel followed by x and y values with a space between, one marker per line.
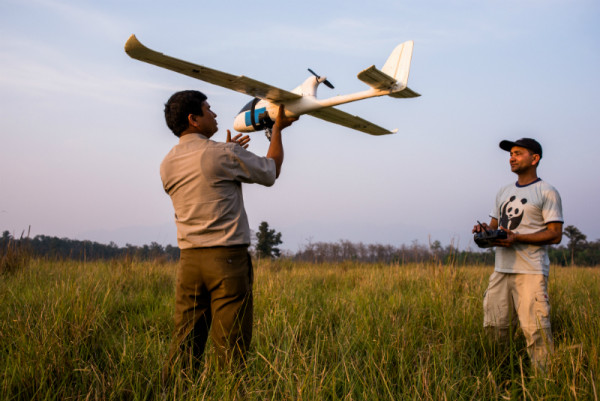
pixel 576 240
pixel 268 239
pixel 436 249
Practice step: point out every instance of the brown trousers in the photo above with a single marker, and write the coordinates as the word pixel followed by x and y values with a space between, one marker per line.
pixel 213 294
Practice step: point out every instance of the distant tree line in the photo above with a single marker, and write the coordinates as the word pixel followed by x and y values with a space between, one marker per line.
pixel 65 248
pixel 319 252
pixel 578 250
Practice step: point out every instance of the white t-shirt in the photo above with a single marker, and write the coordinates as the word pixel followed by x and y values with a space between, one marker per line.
pixel 526 210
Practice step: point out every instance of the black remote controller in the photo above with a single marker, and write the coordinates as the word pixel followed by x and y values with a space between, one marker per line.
pixel 484 238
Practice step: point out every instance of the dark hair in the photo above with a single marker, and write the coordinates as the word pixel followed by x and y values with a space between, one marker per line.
pixel 179 106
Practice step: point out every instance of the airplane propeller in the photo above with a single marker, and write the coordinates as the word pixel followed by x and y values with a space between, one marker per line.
pixel 326 82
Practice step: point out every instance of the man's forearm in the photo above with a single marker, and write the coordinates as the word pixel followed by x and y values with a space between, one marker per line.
pixel 275 151
pixel 544 237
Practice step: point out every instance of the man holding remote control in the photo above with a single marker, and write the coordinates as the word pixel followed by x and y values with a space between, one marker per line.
pixel 530 212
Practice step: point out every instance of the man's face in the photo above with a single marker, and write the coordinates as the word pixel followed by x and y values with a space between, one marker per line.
pixel 522 159
pixel 206 124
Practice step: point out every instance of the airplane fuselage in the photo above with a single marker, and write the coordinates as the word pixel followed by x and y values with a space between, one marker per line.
pixel 259 114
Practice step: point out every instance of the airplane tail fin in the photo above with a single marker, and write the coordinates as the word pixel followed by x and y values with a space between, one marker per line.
pixel 394 74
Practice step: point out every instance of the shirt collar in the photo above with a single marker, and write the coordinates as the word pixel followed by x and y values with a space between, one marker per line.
pixel 526 185
pixel 191 137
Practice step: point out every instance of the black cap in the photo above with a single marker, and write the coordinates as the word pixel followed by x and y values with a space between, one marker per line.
pixel 526 143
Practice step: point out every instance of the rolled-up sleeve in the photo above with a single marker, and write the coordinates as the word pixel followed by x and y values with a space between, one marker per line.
pixel 245 166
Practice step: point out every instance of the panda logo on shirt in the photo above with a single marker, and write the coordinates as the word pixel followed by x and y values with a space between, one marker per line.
pixel 511 212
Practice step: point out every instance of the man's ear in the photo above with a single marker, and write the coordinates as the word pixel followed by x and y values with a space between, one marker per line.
pixel 536 159
pixel 192 120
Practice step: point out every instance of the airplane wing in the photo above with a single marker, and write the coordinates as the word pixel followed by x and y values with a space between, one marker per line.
pixel 348 120
pixel 242 84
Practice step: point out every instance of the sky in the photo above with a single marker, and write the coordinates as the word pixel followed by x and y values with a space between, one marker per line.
pixel 82 129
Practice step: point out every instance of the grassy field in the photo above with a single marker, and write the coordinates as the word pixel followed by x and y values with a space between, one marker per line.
pixel 101 331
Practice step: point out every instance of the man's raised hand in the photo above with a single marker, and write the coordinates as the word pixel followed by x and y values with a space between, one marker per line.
pixel 239 139
pixel 282 121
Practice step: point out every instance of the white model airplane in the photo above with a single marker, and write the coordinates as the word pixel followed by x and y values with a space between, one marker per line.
pixel 260 113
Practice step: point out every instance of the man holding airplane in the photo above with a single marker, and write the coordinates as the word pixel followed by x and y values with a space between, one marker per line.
pixel 530 212
pixel 214 279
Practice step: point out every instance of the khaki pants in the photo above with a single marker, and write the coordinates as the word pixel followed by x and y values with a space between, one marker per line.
pixel 213 295
pixel 522 297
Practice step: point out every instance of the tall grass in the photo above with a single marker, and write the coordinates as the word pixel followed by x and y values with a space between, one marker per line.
pixel 14 255
pixel 322 332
